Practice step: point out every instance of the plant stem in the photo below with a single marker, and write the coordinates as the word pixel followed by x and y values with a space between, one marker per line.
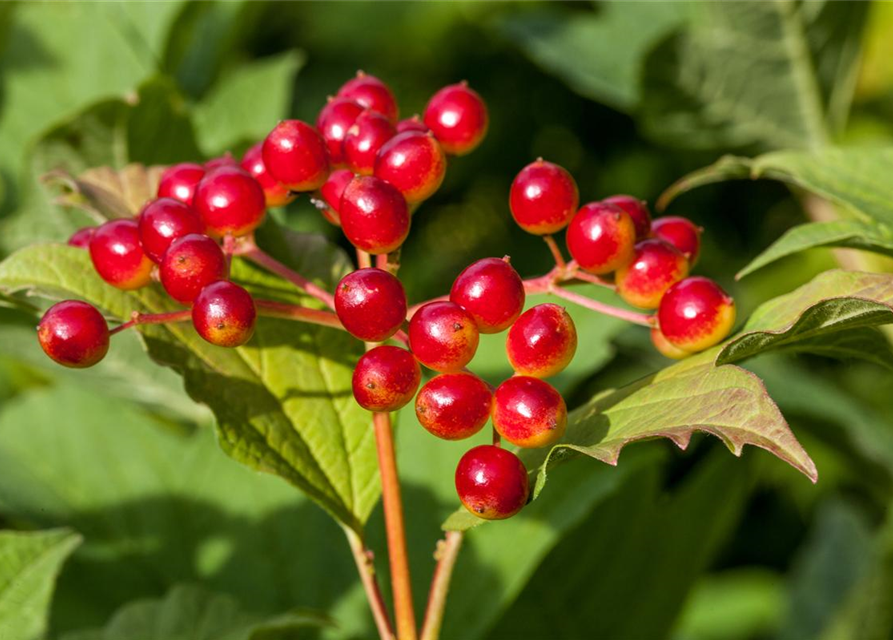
pixel 153 318
pixel 446 555
pixel 273 309
pixel 364 260
pixel 556 253
pixel 631 316
pixel 363 559
pixel 396 534
pixel 257 255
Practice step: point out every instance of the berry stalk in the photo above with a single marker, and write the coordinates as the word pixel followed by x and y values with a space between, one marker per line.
pixel 153 318
pixel 274 309
pixel 363 559
pixel 447 553
pixel 630 316
pixel 251 251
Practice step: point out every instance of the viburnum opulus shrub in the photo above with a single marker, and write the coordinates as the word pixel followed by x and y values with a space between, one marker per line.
pixel 223 295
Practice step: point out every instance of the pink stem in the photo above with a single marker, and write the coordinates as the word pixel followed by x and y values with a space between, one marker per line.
pixel 259 256
pixel 630 316
pixel 274 309
pixel 153 318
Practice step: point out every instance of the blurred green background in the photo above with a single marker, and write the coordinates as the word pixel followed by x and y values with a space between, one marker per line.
pixel 629 97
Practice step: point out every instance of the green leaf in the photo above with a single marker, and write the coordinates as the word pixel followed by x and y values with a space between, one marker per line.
pixel 29 564
pixel 693 395
pixel 854 178
pixel 283 402
pixel 599 55
pixel 775 74
pixel 814 318
pixel 231 115
pixel 192 613
pixel 850 234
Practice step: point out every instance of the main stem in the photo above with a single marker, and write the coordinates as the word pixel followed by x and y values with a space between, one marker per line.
pixel 401 584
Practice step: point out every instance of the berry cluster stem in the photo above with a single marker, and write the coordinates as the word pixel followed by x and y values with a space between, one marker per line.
pixel 275 309
pixel 251 251
pixel 630 316
pixel 396 532
pixel 153 318
pixel 447 553
pixel 363 558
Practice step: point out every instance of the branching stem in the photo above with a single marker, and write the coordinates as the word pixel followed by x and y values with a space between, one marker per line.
pixel 363 559
pixel 446 555
pixel 251 251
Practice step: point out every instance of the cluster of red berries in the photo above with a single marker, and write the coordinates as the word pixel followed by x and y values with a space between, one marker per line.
pixel 487 297
pixel 650 260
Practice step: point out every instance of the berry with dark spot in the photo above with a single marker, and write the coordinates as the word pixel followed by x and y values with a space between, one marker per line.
pixel 371 304
pixel 414 163
pixel 492 292
pixel 164 220
pixel 454 406
pixel 529 412
pixel 542 342
pixel 492 482
pixel 74 334
pixel 118 256
pixel 374 215
pixel 190 264
pixel 224 314
pixel 386 378
pixel 601 237
pixel 443 336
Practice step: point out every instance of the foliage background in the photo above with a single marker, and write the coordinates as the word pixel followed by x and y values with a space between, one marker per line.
pixel 690 546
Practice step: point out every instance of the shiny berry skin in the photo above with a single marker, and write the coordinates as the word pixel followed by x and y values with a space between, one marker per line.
pixel 276 194
pixel 230 201
pixel 372 93
pixel 443 336
pixel 637 210
pixel 543 198
pixel 333 123
pixel 224 314
pixel 457 116
pixel 412 124
pixel 386 378
pixel 74 334
pixel 414 163
pixel 492 482
pixel 492 292
pixel 118 256
pixel 529 412
pixel 164 220
pixel 371 304
pixel 374 215
pixel 331 193
pixel 226 160
pixel 189 265
pixel 542 342
pixel 601 237
pixel 81 238
pixel 665 347
pixel 454 406
pixel 656 266
pixel 295 154
pixel 364 139
pixel 695 314
pixel 682 233
pixel 180 181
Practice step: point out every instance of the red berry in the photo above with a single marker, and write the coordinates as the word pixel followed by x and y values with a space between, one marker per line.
pixel 189 265
pixel 331 193
pixel 81 238
pixel 454 406
pixel 164 220
pixel 224 314
pixel 276 194
pixel 492 482
pixel 226 160
pixel 412 124
pixel 695 314
pixel 180 180
pixel 665 347
pixel 333 122
pixel 372 93
pixel 371 304
pixel 118 257
pixel 601 237
pixel 492 292
pixel 542 342
pixel 295 155
pixel 682 233
pixel 414 163
pixel 364 139
pixel 443 336
pixel 655 267
pixel 374 215
pixel 543 198
pixel 637 210
pixel 74 334
pixel 386 378
pixel 230 201
pixel 457 116
pixel 529 412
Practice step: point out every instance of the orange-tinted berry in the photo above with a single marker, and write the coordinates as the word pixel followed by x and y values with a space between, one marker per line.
pixel 118 256
pixel 637 210
pixel 374 215
pixel 601 237
pixel 655 267
pixel 190 264
pixel 372 94
pixel 454 406
pixel 492 482
pixel 371 304
pixel 276 194
pixel 230 201
pixel 224 314
pixel 543 198
pixel 443 336
pixel 74 334
pixel 696 314
pixel 414 163
pixel 682 233
pixel 665 347
pixel 386 378
pixel 529 412
pixel 295 154
pixel 542 342
pixel 457 116
pixel 492 292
